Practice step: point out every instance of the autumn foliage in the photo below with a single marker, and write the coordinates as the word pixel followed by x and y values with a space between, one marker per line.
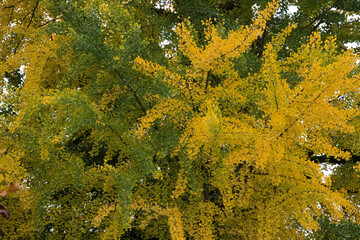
pixel 107 134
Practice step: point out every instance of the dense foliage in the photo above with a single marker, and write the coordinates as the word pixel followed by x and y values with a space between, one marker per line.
pixel 178 119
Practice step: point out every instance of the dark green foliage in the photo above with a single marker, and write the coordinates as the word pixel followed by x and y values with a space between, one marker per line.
pixel 345 230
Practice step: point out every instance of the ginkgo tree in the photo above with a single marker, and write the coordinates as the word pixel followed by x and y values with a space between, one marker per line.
pixel 108 135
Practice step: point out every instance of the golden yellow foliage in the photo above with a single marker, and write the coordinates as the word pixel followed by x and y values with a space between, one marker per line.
pixel 175 223
pixel 103 212
pixel 109 140
pixel 255 169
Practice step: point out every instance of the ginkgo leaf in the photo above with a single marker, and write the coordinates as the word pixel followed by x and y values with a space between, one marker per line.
pixel 11 188
pixel 156 120
pixel 2 151
pixel 4 193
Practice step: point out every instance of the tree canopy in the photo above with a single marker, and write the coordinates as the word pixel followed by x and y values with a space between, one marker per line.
pixel 179 119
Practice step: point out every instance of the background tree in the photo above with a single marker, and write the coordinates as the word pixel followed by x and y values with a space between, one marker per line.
pixel 217 134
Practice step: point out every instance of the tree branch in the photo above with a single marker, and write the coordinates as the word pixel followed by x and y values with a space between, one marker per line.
pixel 332 159
pixel 207 80
pixel 132 90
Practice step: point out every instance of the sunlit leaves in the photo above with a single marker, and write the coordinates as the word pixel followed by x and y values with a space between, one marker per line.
pixel 242 159
pixel 215 54
pixel 108 139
